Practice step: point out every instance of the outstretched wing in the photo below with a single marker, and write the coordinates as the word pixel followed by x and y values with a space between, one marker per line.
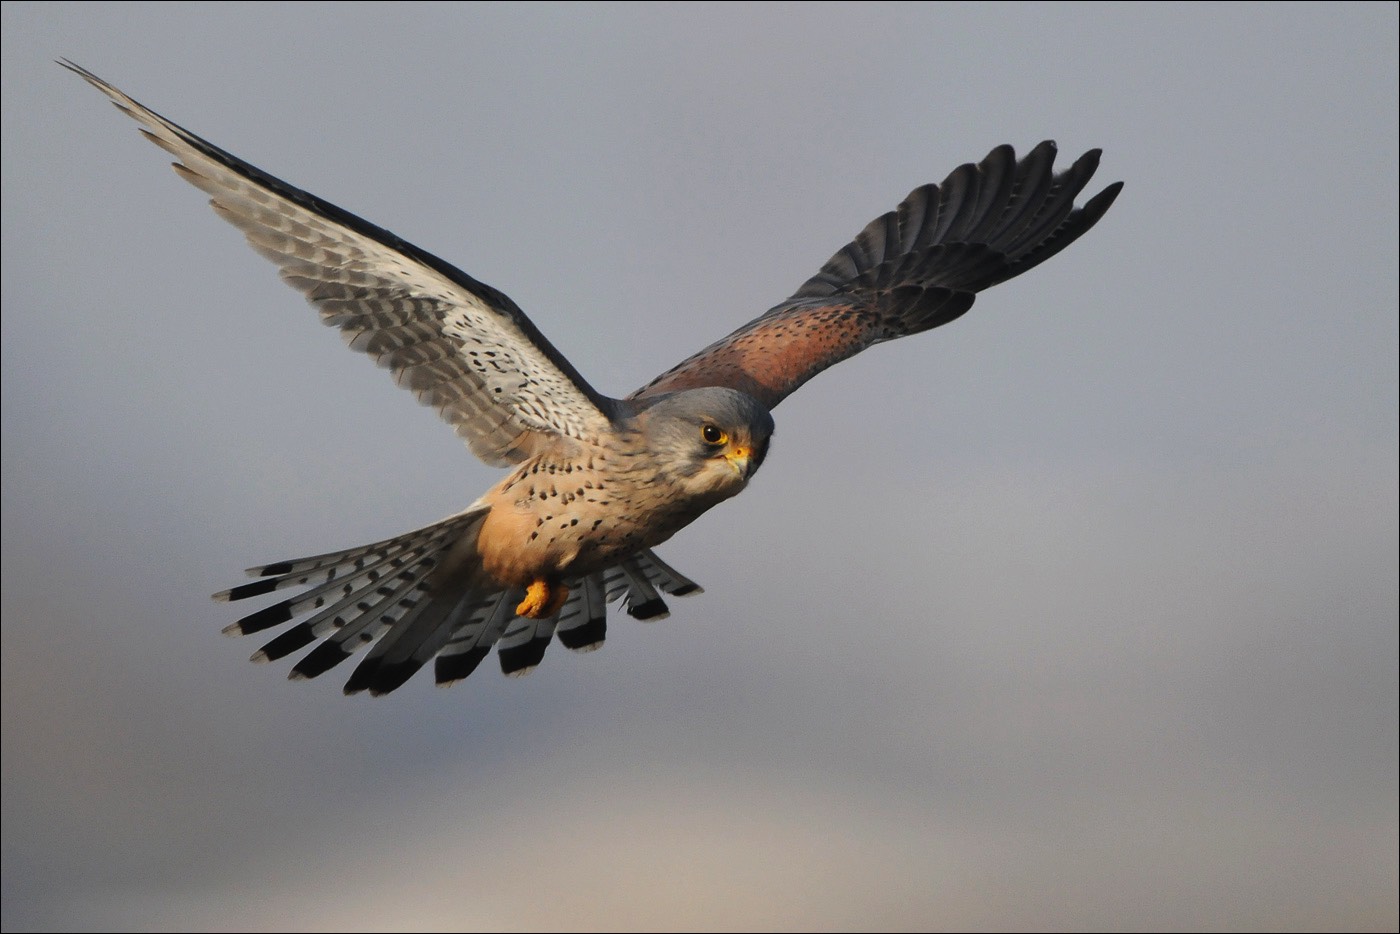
pixel 910 270
pixel 460 345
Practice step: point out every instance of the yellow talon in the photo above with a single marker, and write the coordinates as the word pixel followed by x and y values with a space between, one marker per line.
pixel 542 600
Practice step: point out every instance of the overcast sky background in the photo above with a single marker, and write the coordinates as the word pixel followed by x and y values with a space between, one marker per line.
pixel 1078 613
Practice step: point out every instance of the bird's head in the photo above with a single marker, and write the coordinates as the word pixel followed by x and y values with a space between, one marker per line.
pixel 710 440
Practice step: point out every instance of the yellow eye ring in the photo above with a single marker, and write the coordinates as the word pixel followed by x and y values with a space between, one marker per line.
pixel 713 435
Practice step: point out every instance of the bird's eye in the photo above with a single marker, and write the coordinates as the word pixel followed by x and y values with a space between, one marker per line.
pixel 713 435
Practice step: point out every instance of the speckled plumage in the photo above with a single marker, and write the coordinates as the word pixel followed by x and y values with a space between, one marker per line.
pixel 596 482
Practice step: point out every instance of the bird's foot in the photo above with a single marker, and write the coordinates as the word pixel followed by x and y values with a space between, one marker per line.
pixel 542 599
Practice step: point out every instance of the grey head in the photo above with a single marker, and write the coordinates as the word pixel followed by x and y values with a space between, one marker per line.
pixel 709 440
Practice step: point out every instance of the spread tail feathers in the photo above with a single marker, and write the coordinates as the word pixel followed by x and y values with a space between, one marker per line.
pixel 381 597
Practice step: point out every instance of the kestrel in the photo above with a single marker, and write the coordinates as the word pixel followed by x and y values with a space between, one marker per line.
pixel 595 482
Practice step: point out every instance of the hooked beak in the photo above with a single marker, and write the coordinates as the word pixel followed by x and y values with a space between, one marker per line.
pixel 741 459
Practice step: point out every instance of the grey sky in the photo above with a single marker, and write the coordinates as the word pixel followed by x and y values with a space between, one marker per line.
pixel 1080 612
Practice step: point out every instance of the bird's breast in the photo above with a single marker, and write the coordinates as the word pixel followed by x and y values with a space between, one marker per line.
pixel 562 519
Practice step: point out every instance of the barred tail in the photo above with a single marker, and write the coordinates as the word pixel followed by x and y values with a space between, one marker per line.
pixel 380 596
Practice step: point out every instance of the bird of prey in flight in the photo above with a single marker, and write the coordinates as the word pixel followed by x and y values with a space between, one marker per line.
pixel 594 482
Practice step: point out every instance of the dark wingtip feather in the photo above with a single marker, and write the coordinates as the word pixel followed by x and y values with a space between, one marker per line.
pixel 1098 205
pixel 265 618
pixel 363 676
pixel 318 661
pixel 244 591
pixel 298 637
